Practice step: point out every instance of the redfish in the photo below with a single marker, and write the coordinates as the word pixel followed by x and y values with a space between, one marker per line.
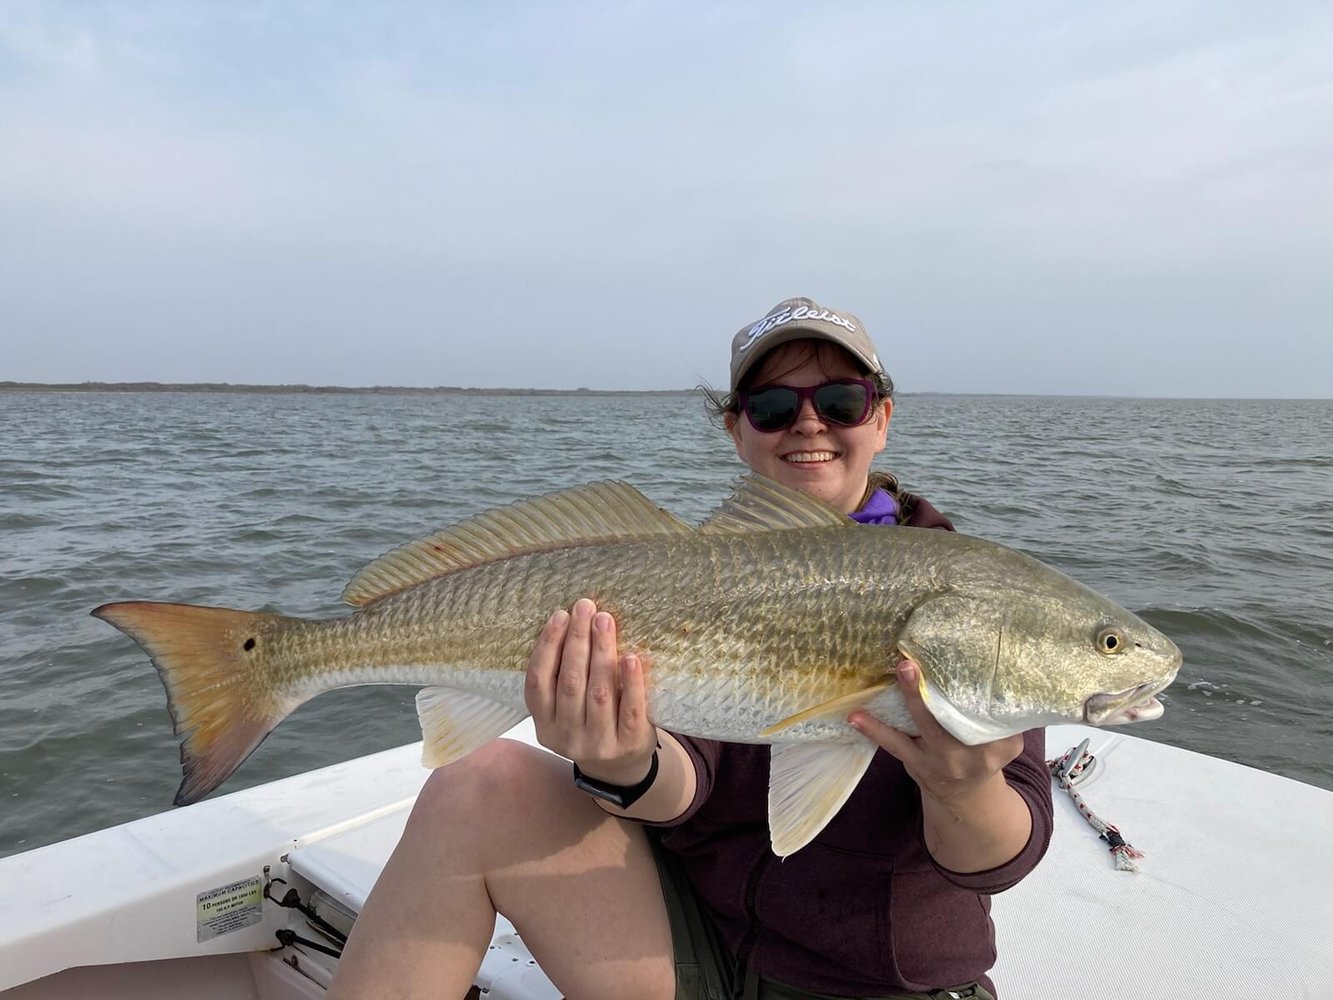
pixel 768 623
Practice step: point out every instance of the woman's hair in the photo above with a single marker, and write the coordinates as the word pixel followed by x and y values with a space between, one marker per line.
pixel 718 404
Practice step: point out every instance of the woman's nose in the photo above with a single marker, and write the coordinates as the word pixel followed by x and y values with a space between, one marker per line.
pixel 808 420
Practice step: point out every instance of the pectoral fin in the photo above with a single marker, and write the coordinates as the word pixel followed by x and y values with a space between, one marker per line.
pixel 454 723
pixel 807 785
pixel 838 707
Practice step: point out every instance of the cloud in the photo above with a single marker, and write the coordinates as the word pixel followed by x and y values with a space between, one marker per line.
pixel 629 185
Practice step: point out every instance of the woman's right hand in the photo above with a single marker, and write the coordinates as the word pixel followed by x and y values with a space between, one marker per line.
pixel 588 703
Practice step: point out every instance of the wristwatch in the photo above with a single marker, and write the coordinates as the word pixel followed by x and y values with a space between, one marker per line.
pixel 622 796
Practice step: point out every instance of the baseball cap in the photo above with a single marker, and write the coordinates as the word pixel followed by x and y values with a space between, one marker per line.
pixel 800 319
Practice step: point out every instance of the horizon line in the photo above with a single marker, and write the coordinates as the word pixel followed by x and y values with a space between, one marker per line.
pixel 297 388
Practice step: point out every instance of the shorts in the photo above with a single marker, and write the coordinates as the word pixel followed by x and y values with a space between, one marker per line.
pixel 706 970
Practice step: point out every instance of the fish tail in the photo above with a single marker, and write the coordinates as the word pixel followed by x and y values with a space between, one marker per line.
pixel 214 664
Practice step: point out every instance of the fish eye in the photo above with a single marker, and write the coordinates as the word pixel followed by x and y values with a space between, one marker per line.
pixel 1111 640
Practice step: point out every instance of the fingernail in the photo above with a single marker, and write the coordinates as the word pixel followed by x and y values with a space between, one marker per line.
pixel 630 661
pixel 907 671
pixel 602 622
pixel 583 608
pixel 558 617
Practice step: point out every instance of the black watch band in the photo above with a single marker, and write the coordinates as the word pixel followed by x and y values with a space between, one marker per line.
pixel 618 795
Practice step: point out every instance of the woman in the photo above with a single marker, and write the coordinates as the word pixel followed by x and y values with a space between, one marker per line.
pixel 649 874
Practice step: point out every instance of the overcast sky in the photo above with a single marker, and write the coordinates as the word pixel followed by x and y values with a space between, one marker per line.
pixel 1115 198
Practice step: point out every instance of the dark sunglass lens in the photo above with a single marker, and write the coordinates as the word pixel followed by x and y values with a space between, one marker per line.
pixel 842 402
pixel 772 409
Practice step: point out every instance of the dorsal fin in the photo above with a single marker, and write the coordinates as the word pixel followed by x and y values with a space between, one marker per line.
pixel 584 515
pixel 760 504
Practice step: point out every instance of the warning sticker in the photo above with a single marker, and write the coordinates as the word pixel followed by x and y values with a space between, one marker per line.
pixel 229 908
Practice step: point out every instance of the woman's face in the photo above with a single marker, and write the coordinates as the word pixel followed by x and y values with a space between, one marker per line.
pixel 825 459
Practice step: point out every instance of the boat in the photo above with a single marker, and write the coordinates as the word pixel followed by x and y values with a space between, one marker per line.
pixel 247 896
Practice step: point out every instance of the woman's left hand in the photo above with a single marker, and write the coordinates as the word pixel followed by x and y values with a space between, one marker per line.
pixel 971 818
pixel 945 769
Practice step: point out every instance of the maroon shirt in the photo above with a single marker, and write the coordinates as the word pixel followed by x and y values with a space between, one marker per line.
pixel 863 909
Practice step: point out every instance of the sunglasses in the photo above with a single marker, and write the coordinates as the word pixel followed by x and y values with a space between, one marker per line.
pixel 845 401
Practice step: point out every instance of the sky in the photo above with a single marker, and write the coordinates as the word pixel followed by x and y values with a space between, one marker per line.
pixel 1126 198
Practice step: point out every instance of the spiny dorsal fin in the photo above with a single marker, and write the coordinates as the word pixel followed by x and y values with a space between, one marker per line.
pixel 584 515
pixel 760 504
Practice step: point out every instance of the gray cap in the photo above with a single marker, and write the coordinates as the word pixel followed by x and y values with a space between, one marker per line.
pixel 800 319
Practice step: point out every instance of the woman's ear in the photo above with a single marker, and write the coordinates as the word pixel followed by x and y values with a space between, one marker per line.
pixel 882 423
pixel 732 423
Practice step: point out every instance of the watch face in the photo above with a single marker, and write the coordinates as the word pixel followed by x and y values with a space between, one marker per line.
pixel 619 796
pixel 608 793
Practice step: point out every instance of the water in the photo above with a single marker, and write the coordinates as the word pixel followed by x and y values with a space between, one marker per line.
pixel 1214 519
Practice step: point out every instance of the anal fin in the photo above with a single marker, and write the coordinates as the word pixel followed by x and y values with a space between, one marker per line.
pixel 807 785
pixel 454 723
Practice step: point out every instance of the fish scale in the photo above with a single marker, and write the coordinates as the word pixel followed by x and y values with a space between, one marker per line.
pixel 489 617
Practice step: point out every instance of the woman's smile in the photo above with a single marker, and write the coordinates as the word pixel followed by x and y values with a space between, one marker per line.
pixel 810 457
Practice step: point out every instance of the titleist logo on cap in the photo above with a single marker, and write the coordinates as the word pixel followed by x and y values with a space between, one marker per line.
pixel 790 315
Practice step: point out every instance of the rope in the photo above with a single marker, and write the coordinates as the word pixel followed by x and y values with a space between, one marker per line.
pixel 1070 769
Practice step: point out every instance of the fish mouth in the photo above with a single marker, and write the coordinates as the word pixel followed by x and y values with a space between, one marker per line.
pixel 1137 704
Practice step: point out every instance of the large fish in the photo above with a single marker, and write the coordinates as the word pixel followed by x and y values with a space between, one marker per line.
pixel 769 623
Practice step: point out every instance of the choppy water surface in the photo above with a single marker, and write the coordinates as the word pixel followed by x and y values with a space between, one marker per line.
pixel 1214 519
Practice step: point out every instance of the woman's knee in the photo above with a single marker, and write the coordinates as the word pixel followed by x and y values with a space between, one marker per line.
pixel 487 783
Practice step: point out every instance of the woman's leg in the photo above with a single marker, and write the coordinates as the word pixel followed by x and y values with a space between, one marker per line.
pixel 505 830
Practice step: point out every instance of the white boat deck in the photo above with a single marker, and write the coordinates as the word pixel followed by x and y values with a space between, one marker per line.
pixel 1233 899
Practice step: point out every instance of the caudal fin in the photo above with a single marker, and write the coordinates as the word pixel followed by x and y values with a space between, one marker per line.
pixel 214 665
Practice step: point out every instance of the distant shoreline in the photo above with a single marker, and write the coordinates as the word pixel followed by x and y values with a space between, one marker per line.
pixel 382 390
pixel 237 388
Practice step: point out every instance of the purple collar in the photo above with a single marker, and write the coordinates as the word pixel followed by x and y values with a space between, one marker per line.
pixel 879 509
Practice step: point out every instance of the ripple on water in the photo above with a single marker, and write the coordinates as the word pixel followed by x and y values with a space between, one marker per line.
pixel 251 501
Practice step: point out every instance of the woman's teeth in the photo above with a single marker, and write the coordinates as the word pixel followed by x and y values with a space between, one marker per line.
pixel 810 456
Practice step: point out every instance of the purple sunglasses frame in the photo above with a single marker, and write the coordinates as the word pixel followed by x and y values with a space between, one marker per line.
pixel 808 392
